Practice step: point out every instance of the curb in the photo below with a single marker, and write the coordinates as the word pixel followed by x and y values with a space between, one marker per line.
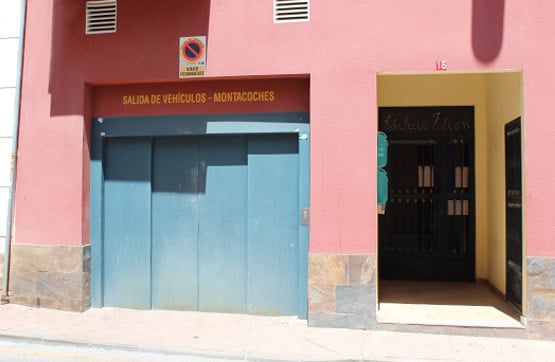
pixel 48 341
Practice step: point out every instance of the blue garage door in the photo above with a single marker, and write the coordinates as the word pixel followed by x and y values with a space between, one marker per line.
pixel 207 223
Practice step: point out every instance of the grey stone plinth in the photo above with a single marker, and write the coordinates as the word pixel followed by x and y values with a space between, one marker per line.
pixel 47 276
pixel 342 290
pixel 540 288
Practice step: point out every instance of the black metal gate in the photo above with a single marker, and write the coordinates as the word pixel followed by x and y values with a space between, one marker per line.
pixel 427 231
pixel 513 214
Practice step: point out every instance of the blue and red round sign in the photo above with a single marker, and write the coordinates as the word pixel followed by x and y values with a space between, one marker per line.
pixel 192 50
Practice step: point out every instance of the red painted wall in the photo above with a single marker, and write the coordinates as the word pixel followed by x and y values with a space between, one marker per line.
pixel 342 48
pixel 52 200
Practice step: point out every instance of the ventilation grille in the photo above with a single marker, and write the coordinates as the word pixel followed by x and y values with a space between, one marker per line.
pixel 289 11
pixel 101 16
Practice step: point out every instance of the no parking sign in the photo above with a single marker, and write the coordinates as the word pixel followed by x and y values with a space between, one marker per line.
pixel 192 56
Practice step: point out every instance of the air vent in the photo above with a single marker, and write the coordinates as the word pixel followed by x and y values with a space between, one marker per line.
pixel 101 16
pixel 289 11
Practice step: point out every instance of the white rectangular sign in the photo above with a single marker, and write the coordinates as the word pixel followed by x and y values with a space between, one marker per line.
pixel 192 56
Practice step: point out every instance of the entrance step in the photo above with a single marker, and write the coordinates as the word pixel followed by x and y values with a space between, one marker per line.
pixel 446 315
pixel 474 304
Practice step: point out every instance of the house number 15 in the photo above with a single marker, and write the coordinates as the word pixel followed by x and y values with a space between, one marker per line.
pixel 441 64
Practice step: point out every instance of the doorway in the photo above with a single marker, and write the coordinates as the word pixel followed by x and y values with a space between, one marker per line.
pixel 186 219
pixel 513 211
pixel 427 231
pixel 495 99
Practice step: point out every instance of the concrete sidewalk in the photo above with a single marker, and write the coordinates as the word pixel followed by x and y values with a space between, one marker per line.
pixel 244 337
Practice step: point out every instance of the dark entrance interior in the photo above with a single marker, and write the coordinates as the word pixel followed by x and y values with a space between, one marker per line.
pixel 428 229
pixel 513 211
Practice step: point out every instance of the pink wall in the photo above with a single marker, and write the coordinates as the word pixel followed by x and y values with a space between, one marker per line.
pixel 342 47
pixel 52 177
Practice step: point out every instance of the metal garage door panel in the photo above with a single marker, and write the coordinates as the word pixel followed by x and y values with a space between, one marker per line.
pixel 216 230
pixel 174 223
pixel 222 223
pixel 273 224
pixel 127 223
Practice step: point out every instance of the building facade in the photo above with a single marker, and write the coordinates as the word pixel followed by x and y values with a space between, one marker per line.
pixel 205 156
pixel 10 33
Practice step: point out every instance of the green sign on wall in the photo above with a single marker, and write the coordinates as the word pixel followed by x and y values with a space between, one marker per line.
pixel 383 181
pixel 382 149
pixel 382 186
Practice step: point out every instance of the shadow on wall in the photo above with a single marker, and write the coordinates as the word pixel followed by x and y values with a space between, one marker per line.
pixel 144 48
pixel 487 28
